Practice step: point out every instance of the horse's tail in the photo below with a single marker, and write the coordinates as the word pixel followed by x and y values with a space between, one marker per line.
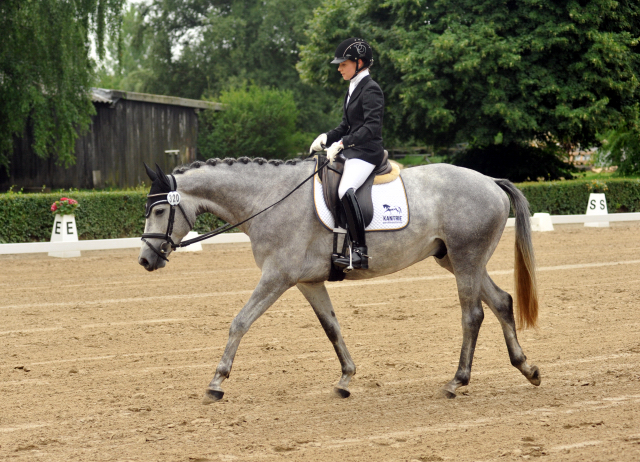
pixel 525 265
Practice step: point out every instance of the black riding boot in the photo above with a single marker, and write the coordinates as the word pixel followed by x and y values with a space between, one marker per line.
pixel 355 227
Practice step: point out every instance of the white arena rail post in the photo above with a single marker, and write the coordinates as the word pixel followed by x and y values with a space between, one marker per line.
pixel 193 247
pixel 597 205
pixel 64 230
pixel 541 222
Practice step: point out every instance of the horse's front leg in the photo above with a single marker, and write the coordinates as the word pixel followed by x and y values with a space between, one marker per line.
pixel 316 294
pixel 268 290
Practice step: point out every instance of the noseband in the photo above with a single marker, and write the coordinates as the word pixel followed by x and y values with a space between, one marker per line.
pixel 173 199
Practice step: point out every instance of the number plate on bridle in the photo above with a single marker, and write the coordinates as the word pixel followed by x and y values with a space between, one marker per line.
pixel 173 198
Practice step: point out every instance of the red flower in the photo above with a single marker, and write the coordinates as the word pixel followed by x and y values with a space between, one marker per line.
pixel 73 201
pixel 53 207
pixel 64 199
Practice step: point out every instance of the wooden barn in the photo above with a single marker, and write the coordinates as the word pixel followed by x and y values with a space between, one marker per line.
pixel 127 129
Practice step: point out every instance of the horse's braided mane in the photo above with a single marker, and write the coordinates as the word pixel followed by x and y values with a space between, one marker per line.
pixel 242 160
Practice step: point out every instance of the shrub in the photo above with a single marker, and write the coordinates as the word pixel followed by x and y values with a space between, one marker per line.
pixel 570 197
pixel 256 122
pixel 103 215
pixel 516 162
pixel 116 214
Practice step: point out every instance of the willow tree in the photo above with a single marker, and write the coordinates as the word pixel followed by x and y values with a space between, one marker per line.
pixel 491 71
pixel 46 70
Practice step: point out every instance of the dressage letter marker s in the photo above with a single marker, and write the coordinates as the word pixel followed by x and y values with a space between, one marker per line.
pixel 64 230
pixel 597 206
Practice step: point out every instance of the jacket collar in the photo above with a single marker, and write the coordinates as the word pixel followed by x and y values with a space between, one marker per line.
pixel 357 90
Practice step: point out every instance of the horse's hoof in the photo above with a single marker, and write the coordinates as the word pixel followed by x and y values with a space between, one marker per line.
pixel 444 393
pixel 535 378
pixel 341 391
pixel 211 396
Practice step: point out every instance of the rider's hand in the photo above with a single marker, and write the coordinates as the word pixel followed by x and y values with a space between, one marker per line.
pixel 319 143
pixel 333 151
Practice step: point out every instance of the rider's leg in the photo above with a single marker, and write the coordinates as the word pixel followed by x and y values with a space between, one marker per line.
pixel 355 173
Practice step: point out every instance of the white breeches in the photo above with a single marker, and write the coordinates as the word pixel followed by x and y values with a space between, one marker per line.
pixel 355 173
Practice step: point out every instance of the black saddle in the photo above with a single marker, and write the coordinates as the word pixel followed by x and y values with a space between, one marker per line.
pixel 330 176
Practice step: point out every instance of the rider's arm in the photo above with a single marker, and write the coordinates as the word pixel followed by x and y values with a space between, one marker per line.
pixel 373 108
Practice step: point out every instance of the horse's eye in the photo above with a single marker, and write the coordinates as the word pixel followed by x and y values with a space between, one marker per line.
pixel 159 212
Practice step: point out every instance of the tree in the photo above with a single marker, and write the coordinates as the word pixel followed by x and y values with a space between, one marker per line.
pixel 621 147
pixel 202 48
pixel 46 70
pixel 490 71
pixel 257 122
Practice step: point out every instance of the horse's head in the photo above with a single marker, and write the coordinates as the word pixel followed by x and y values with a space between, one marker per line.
pixel 169 219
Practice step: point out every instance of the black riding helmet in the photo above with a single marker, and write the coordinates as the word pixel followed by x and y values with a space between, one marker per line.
pixel 354 49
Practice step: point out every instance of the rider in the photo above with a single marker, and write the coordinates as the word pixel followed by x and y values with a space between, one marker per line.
pixel 359 137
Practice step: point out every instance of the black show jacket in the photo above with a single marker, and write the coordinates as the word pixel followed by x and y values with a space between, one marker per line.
pixel 361 126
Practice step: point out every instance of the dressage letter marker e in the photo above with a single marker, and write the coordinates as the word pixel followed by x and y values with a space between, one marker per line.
pixel 64 230
pixel 597 206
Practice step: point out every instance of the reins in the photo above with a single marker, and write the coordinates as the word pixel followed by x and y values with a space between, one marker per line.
pixel 226 227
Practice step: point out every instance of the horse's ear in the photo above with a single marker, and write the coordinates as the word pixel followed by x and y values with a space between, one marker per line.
pixel 150 173
pixel 164 179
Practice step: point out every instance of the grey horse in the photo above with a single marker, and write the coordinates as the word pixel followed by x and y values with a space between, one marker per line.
pixel 457 216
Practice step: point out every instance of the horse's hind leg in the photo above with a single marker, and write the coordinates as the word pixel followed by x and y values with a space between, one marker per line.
pixel 316 294
pixel 501 304
pixel 469 287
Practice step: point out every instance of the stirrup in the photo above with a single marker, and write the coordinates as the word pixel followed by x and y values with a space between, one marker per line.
pixel 347 264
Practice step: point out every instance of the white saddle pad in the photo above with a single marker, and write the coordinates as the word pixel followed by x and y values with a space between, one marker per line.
pixel 390 206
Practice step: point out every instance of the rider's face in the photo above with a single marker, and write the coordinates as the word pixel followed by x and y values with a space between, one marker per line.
pixel 348 69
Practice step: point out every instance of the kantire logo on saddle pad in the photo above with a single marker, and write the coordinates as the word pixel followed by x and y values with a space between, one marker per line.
pixel 392 213
pixel 390 206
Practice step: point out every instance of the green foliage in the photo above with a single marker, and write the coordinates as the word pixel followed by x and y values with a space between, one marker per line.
pixel 256 122
pixel 468 71
pixel 102 215
pixel 516 162
pixel 201 48
pixel 570 197
pixel 117 214
pixel 46 71
pixel 621 147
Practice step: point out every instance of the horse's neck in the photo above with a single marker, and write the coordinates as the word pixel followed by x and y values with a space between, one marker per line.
pixel 235 192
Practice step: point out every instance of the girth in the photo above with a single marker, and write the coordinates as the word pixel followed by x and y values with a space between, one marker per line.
pixel 330 176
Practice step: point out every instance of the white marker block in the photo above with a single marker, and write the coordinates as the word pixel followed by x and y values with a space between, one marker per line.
pixel 597 206
pixel 541 222
pixel 193 247
pixel 64 230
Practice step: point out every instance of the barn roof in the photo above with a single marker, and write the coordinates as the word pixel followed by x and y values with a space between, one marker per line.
pixel 101 95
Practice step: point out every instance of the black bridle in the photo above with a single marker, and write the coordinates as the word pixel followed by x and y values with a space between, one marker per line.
pixel 173 199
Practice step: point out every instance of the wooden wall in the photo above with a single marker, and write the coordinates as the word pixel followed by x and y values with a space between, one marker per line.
pixel 120 138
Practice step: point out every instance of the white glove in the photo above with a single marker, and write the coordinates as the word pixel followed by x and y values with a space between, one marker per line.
pixel 333 151
pixel 319 143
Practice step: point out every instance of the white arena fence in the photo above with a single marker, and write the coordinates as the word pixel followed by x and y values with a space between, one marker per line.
pixel 572 219
pixel 231 238
pixel 104 244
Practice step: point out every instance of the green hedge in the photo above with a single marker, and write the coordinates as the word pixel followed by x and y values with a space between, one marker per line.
pixel 101 215
pixel 108 215
pixel 570 197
